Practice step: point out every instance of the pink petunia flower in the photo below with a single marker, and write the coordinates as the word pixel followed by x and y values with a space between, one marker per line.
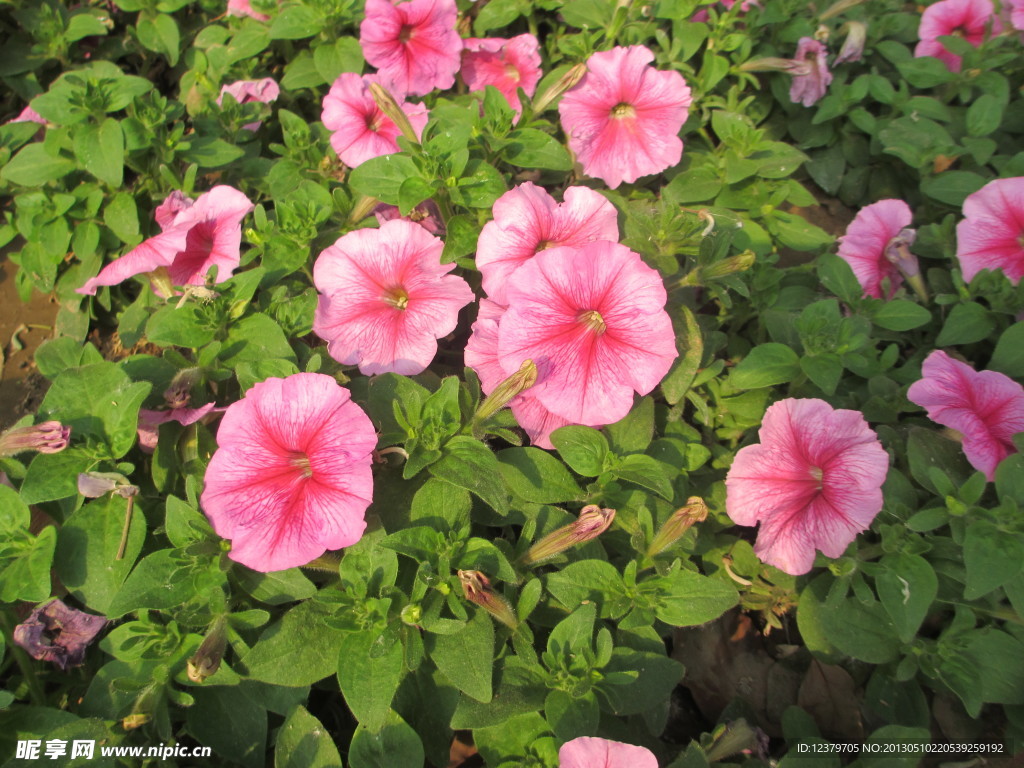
pixel 359 129
pixel 967 19
pixel 385 298
pixel 528 220
pixel 591 751
pixel 986 407
pixel 593 321
pixel 482 356
pixel 414 45
pixel 264 91
pixel 244 8
pixel 876 246
pixel 198 237
pixel 505 64
pixel 623 118
pixel 809 87
pixel 814 482
pixel 291 477
pixel 1016 8
pixel 991 235
pixel 28 115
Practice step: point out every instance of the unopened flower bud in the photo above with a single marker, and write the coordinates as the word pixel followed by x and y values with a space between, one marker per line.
pixel 741 262
pixel 477 589
pixel 48 437
pixel 592 522
pixel 207 658
pixel 897 252
pixel 507 391
pixel 390 107
pixel 853 45
pixel 775 64
pixel 821 34
pixel 564 83
pixel 363 207
pixel 695 511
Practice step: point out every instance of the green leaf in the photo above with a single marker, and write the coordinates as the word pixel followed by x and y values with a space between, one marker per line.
pixel 766 365
pixel 395 744
pixel 253 339
pixel 470 464
pixel 298 650
pixel 303 742
pixel 230 722
pixel 369 675
pixel 122 217
pixel 837 275
pixel 537 476
pixel 572 717
pixel 906 586
pixel 584 449
pixel 25 561
pixel 901 315
pixel 100 148
pixel 466 657
pixel 35 165
pixel 824 370
pixel 860 630
pixel 647 472
pixel 160 581
pixel 160 34
pixel 796 232
pixel 594 580
pixel 634 431
pixel 985 115
pixel 382 177
pixel 295 22
pixel 53 476
pixel 952 187
pixel 984 665
pixel 343 55
pixel 87 547
pixel 277 587
pixel 481 184
pixel 687 599
pixel 925 72
pixel 210 152
pixel 927 450
pixel 530 148
pixel 991 557
pixel 967 323
pixel 656 676
pixel 1009 354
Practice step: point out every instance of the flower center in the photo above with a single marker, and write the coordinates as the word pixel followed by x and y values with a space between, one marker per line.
pixel 592 319
pixel 301 461
pixel 375 120
pixel 405 34
pixel 623 110
pixel 396 297
pixel 817 474
pixel 512 72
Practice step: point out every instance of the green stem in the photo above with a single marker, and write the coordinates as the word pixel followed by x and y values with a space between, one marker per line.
pixel 35 688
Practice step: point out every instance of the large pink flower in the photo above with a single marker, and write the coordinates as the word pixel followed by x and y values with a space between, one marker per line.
pixel 414 45
pixel 594 752
pixel 291 476
pixel 482 357
pixel 506 64
pixel 814 482
pixel 196 238
pixel 986 407
pixel 969 19
pixel 527 220
pixel 385 298
pixel 623 118
pixel 808 87
pixel 873 245
pixel 593 321
pixel 991 235
pixel 359 129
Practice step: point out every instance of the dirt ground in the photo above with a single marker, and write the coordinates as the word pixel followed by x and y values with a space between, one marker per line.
pixel 23 327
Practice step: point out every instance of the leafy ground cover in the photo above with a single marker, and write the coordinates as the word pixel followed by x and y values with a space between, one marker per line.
pixel 437 382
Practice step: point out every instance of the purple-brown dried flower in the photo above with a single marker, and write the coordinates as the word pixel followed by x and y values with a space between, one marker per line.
pixel 55 632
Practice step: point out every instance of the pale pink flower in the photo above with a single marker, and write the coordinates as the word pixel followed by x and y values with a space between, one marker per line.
pixel 198 237
pixel 808 87
pixel 623 118
pixel 150 421
pixel 969 19
pixel 291 477
pixel 482 356
pixel 385 298
pixel 991 235
pixel 244 8
pixel 28 115
pixel 426 214
pixel 414 45
pixel 875 243
pixel 814 482
pixel 359 129
pixel 986 407
pixel 264 91
pixel 591 752
pixel 528 220
pixel 593 321
pixel 506 64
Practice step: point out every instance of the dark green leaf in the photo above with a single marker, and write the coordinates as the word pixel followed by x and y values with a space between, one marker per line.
pixel 466 657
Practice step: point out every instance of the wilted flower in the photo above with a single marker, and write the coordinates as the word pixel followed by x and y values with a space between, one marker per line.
pixel 624 116
pixel 877 247
pixel 594 322
pixel 506 64
pixel 48 437
pixel 359 128
pixel 200 236
pixel 206 660
pixel 385 298
pixel 986 407
pixel 414 45
pixel 991 235
pixel 528 220
pixel 968 19
pixel 853 46
pixel 92 485
pixel 591 751
pixel 808 87
pixel 477 589
pixel 55 632
pixel 150 421
pixel 263 91
pixel 814 482
pixel 426 214
pixel 592 522
pixel 291 476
